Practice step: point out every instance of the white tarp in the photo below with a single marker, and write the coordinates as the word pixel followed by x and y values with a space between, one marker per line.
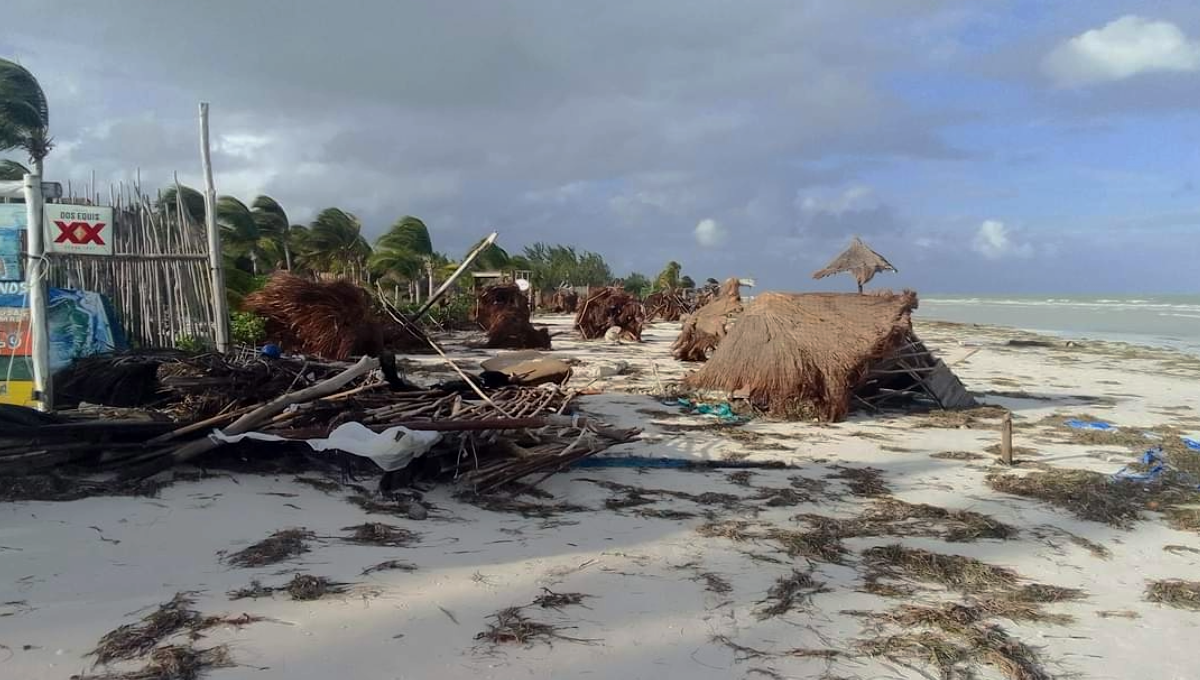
pixel 392 449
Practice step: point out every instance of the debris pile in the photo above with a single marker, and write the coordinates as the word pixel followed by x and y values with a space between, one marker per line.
pixel 182 385
pixel 608 308
pixel 487 438
pixel 564 301
pixel 503 311
pixel 668 305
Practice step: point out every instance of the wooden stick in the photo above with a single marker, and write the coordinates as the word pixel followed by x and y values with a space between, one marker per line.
pixel 1006 439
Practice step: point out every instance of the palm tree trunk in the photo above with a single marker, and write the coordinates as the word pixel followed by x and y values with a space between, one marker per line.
pixel 37 167
pixel 287 255
pixel 429 270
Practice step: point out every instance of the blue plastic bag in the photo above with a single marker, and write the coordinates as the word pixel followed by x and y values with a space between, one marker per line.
pixel 1090 425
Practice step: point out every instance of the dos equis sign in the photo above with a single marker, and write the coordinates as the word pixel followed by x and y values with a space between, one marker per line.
pixel 79 229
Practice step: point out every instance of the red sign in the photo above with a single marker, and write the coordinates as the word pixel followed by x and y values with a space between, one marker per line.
pixel 14 339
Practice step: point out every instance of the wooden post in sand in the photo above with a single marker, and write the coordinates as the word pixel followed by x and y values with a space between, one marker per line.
pixel 1006 439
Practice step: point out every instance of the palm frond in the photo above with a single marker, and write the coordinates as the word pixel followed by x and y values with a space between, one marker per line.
pixel 12 170
pixel 187 198
pixel 408 233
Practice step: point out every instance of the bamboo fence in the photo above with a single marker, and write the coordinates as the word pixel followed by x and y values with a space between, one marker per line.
pixel 157 278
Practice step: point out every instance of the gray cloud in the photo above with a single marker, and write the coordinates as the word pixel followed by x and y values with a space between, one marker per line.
pixel 617 127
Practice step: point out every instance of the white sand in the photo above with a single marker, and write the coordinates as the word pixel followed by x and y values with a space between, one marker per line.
pixel 69 572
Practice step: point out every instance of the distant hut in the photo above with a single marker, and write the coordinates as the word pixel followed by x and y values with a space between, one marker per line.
pixel 859 260
pixel 817 355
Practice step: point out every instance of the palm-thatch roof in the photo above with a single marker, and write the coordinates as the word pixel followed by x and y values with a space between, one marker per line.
pixel 503 311
pixel 812 354
pixel 704 330
pixel 334 320
pixel 860 261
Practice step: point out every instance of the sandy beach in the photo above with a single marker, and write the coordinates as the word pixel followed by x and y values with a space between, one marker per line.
pixel 798 571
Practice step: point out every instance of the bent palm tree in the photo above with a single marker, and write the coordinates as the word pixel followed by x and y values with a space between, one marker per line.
pixel 239 232
pixel 183 200
pixel 404 252
pixel 335 244
pixel 273 222
pixel 24 114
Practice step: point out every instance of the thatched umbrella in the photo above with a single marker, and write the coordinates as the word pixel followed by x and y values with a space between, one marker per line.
pixel 859 260
pixel 805 354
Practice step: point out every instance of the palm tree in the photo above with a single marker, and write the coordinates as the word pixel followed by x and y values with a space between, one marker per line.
pixel 403 252
pixel 273 221
pixel 240 236
pixel 24 114
pixel 185 199
pixel 492 258
pixel 668 278
pixel 335 244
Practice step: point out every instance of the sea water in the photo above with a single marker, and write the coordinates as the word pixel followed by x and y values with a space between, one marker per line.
pixel 1171 321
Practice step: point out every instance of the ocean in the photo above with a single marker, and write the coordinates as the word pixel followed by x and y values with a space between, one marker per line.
pixel 1171 321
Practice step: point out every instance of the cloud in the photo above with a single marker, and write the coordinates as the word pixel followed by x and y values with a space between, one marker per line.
pixel 994 241
pixel 1123 48
pixel 838 213
pixel 710 234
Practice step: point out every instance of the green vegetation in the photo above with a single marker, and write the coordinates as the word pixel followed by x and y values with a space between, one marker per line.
pixel 246 328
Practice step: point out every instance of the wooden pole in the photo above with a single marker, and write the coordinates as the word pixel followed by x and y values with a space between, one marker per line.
pixel 215 262
pixel 36 272
pixel 1006 440
pixel 434 296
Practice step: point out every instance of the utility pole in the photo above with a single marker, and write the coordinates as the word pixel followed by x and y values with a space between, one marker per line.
pixel 35 277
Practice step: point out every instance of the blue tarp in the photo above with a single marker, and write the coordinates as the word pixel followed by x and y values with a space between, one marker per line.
pixel 1090 425
pixel 722 411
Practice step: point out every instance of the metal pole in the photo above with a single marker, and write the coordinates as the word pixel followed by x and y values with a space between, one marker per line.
pixel 35 276
pixel 215 261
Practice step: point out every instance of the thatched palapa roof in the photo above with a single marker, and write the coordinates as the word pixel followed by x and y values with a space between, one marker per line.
pixel 805 354
pixel 334 320
pixel 503 311
pixel 860 261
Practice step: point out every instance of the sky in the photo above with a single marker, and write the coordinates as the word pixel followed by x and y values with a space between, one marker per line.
pixel 982 146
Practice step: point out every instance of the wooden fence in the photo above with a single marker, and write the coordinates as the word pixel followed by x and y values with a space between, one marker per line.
pixel 157 277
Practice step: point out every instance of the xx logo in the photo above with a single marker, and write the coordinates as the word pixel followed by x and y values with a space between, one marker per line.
pixel 79 233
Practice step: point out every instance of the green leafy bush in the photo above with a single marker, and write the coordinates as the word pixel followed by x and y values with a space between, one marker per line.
pixel 246 328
